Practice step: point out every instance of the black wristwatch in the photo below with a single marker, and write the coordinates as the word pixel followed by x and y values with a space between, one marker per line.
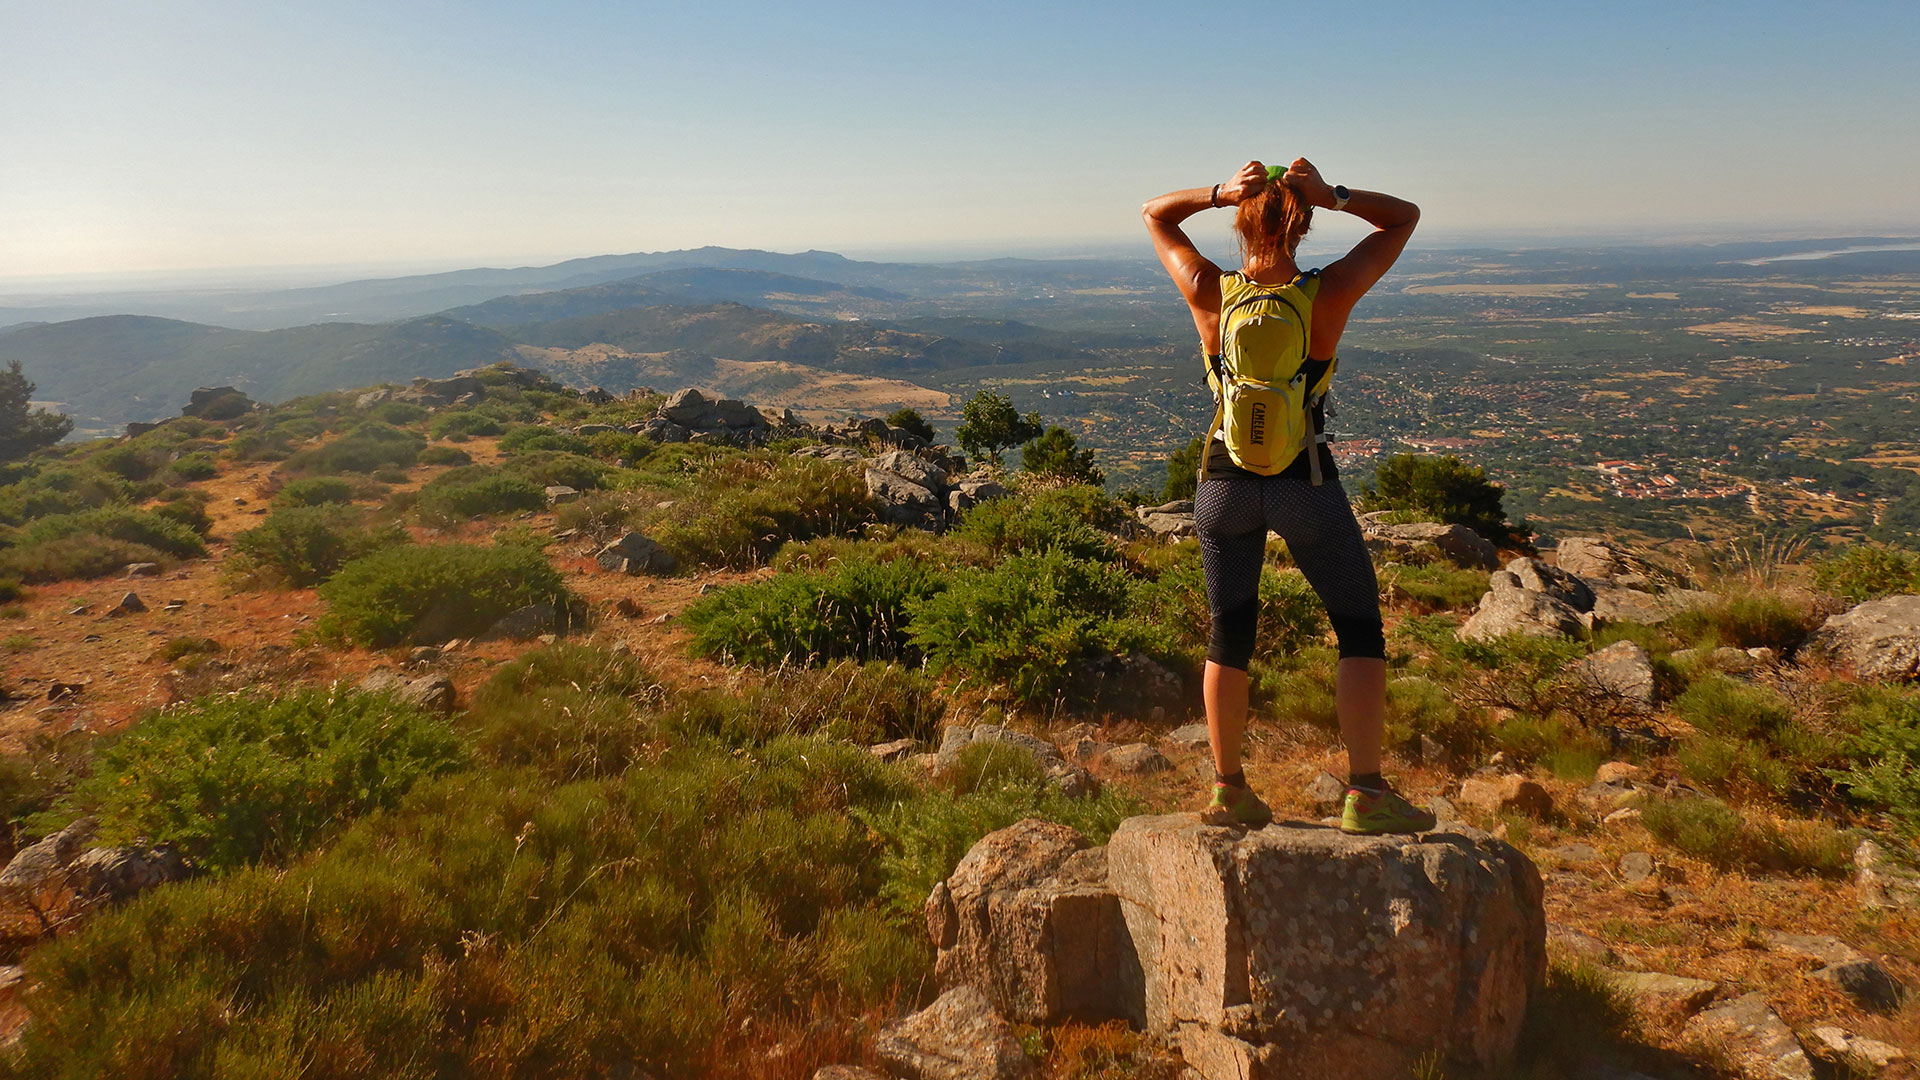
pixel 1340 196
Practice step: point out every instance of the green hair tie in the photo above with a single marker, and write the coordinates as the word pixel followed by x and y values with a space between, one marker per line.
pixel 1275 172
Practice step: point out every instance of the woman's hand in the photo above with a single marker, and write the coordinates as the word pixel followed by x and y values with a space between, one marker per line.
pixel 1245 184
pixel 1305 182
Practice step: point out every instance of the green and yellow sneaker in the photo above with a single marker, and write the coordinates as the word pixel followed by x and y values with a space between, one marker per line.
pixel 1236 806
pixel 1370 813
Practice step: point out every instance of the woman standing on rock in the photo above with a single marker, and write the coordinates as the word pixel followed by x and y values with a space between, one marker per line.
pixel 1266 465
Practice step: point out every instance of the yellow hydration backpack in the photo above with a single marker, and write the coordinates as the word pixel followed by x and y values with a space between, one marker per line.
pixel 1265 389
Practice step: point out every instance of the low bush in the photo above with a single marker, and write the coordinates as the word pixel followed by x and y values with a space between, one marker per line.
pixel 302 546
pixel 445 455
pixel 750 504
pixel 545 467
pixel 366 448
pixel 179 648
pixel 235 779
pixel 1713 832
pixel 190 467
pixel 1071 519
pixel 1883 754
pixel 462 425
pixel 398 413
pixel 570 711
pixel 61 488
pixel 432 592
pixel 1436 587
pixel 93 543
pixel 863 703
pixel 854 610
pixel 11 590
pixel 477 491
pixel 317 490
pixel 1028 622
pixel 1747 621
pixel 531 438
pixel 1863 573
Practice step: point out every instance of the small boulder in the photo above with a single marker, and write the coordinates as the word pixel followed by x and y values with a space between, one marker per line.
pixel 1617 772
pixel 1866 982
pixel 558 494
pixel 1882 882
pixel 1623 671
pixel 910 467
pixel 1136 759
pixel 1327 793
pixel 434 693
pixel 896 750
pixel 958 1037
pixel 635 553
pixel 1879 639
pixel 1839 1042
pixel 1190 737
pixel 1507 794
pixel 525 623
pixel 903 502
pixel 1671 992
pixel 143 569
pixel 1759 1043
pixel 130 604
pixel 1636 867
pixel 1072 780
pixel 1508 608
pixel 1456 542
pixel 1538 576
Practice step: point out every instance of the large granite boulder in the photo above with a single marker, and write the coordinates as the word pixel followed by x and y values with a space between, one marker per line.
pixel 1426 538
pixel 1621 672
pixel 1285 952
pixel 1542 577
pixel 1278 952
pixel 1595 559
pixel 1027 918
pixel 1510 608
pixel 971 492
pixel 51 884
pixel 903 502
pixel 1618 603
pixel 910 467
pixel 1879 639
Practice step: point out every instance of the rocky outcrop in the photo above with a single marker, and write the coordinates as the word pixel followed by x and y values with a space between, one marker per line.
pixel 1287 952
pixel 57 881
pixel 1595 559
pixel 434 693
pixel 1168 521
pixel 1422 541
pixel 971 491
pixel 691 416
pixel 1882 882
pixel 1879 639
pixel 635 553
pixel 958 1037
pixel 217 403
pixel 1278 952
pixel 1028 919
pixel 1510 608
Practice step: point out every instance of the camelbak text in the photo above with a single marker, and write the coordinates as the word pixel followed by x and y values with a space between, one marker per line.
pixel 1259 430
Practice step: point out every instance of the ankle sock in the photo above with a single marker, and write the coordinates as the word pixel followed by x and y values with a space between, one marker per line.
pixel 1237 778
pixel 1370 781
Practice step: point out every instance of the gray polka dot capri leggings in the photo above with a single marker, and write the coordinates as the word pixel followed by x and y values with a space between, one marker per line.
pixel 1233 514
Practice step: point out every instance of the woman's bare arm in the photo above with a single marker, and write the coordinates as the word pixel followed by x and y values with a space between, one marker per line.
pixel 1195 274
pixel 1343 283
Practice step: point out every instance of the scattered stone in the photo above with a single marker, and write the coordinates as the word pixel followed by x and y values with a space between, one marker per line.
pixel 112 874
pixel 1072 780
pixel 1866 982
pixel 1626 815
pixel 1027 917
pixel 561 493
pixel 1508 608
pixel 49 885
pixel 1664 991
pixel 1506 794
pixel 1456 542
pixel 1824 948
pixel 1132 682
pixel 969 493
pixel 1617 603
pixel 1576 943
pixel 1879 639
pixel 61 691
pixel 1882 882
pixel 80 609
pixel 143 569
pixel 435 693
pixel 424 654
pixel 635 553
pixel 1623 671
pixel 828 453
pixel 1326 793
pixel 958 1037
pixel 524 624
pixel 1763 656
pixel 1617 772
pixel 130 604
pixel 628 607
pixel 586 430
pixel 1840 1042
pixel 1262 950
pixel 1434 754
pixel 661 619
pixel 1136 759
pixel 1575 853
pixel 1443 809
pixel 1169 521
pixel 1759 1043
pixel 1636 867
pixel 897 750
pixel 1607 796
pixel 1190 737
pixel 174 605
pixel 1732 661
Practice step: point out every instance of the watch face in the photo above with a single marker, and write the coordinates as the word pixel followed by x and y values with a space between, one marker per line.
pixel 1340 192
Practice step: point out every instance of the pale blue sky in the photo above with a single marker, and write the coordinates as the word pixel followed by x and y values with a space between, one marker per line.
pixel 209 133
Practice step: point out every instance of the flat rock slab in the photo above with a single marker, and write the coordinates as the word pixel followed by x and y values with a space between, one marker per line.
pixel 958 1037
pixel 1757 1041
pixel 1297 951
pixel 1666 991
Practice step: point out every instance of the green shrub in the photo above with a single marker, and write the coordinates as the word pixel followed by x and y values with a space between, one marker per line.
pixel 185 506
pixel 567 710
pixel 910 421
pixel 316 490
pixel 1436 587
pixel 1183 470
pixel 847 701
pixel 620 446
pixel 1068 519
pixel 533 437
pixel 1884 754
pixel 1713 832
pixel 1706 829
pixel 234 779
pixel 497 924
pixel 477 491
pixel 1723 706
pixel 178 648
pixel 61 489
pixel 462 425
pixel 11 590
pixel 1054 454
pixel 855 609
pixel 134 459
pixel 597 514
pixel 302 546
pixel 93 543
pixel 1747 621
pixel 546 467
pixel 1863 573
pixel 750 504
pixel 195 466
pixel 366 448
pixel 1440 488
pixel 397 413
pixel 1028 622
pixel 445 455
pixel 432 592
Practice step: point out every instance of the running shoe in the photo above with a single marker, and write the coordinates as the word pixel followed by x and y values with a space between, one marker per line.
pixel 1370 813
pixel 1234 805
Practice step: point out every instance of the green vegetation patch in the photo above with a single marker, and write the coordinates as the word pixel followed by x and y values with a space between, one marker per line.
pixel 432 592
pixel 93 543
pixel 369 447
pixel 748 504
pixel 855 609
pixel 302 546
